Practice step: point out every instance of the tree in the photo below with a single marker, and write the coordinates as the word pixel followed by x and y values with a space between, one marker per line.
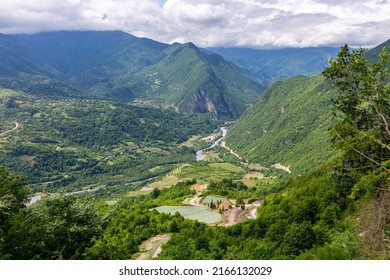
pixel 298 238
pixel 363 107
pixel 155 193
pixel 54 228
pixel 13 195
pixel 212 205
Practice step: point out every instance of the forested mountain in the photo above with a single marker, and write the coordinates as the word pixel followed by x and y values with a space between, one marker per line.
pixel 289 120
pixel 276 64
pixel 120 67
pixel 288 124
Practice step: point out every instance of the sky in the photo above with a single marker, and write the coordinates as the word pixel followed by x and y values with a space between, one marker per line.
pixel 211 23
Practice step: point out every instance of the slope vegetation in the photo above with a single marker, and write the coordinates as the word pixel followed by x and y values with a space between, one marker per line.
pixel 287 124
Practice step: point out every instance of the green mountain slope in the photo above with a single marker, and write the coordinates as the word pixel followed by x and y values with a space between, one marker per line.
pixel 372 55
pixel 120 67
pixel 23 69
pixel 194 81
pixel 287 124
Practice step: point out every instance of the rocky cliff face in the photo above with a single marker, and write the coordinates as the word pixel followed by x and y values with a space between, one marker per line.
pixel 204 102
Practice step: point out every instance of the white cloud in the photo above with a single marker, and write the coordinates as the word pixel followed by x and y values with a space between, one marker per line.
pixel 255 23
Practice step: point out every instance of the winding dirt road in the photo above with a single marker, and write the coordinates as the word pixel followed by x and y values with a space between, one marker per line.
pixel 17 126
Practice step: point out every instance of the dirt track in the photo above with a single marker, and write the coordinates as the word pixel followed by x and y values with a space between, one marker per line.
pixel 17 125
pixel 152 247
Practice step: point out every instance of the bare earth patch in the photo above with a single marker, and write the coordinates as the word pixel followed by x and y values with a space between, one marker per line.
pixel 233 216
pixel 282 167
pixel 150 248
pixel 237 215
pixel 29 159
pixel 198 187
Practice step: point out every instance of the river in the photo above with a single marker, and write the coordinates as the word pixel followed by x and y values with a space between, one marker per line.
pixel 200 155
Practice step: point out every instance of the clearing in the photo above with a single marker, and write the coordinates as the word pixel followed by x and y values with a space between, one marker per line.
pixel 227 166
pixel 165 183
pixel 282 167
pixel 251 178
pixel 237 215
pixel 150 248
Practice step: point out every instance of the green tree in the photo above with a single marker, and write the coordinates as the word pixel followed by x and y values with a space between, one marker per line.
pixel 298 238
pixel 362 106
pixel 13 198
pixel 155 193
pixel 54 228
pixel 362 132
pixel 13 195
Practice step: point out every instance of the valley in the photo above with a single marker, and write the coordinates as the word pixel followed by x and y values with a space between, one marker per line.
pixel 119 147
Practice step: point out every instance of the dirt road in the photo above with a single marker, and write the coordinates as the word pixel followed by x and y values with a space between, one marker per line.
pixel 17 126
pixel 152 247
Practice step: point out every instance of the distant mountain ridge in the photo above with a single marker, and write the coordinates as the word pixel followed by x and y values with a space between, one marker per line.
pixel 117 66
pixel 265 65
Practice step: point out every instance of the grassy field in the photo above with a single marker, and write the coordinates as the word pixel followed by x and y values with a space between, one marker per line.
pixel 227 166
pixel 165 183
pixel 256 166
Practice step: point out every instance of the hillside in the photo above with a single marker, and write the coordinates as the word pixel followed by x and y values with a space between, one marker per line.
pixel 194 81
pixel 72 143
pixel 267 65
pixel 23 69
pixel 288 124
pixel 120 67
pixel 372 55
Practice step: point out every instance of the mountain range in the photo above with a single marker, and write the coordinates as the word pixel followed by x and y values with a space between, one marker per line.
pixel 128 168
pixel 266 65
pixel 117 66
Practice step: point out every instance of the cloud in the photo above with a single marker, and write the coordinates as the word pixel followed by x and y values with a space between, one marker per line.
pixel 254 23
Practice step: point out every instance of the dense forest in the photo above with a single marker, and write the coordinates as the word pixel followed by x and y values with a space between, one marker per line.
pixel 73 143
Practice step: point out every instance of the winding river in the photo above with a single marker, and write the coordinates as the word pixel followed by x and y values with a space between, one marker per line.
pixel 200 155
